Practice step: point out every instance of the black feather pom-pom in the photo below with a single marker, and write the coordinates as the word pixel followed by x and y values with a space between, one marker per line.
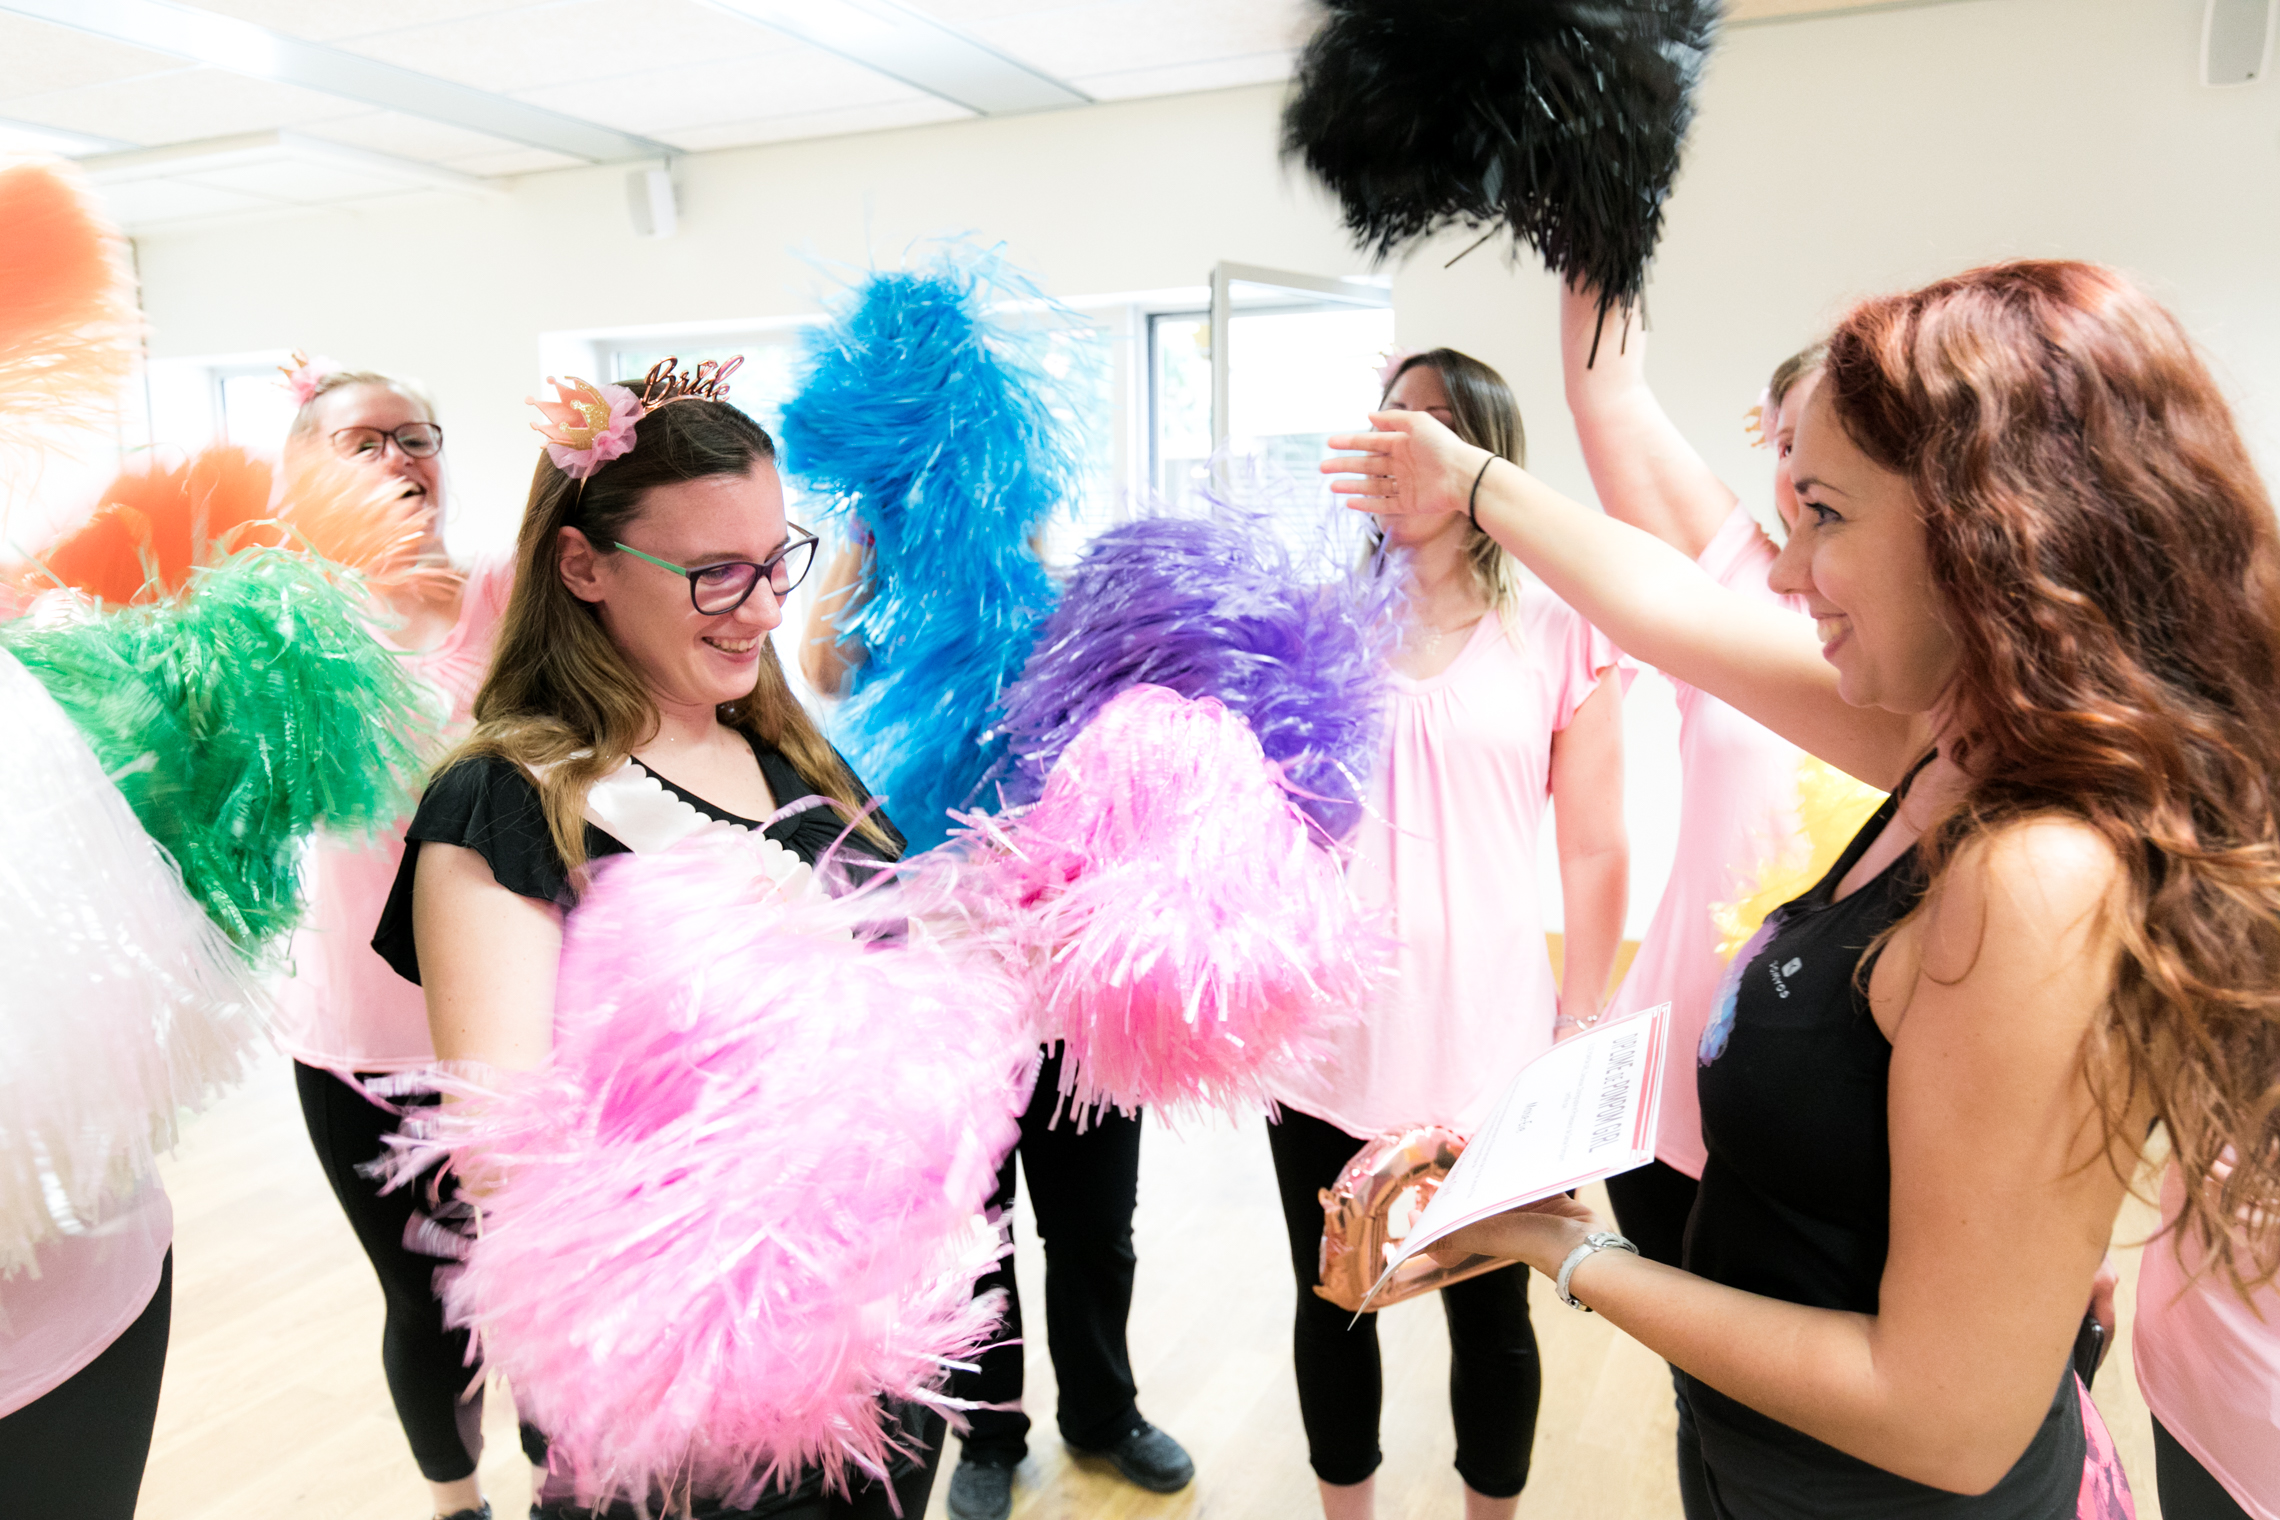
pixel 1559 119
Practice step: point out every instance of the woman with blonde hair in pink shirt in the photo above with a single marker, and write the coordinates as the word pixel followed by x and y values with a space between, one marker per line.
pixel 1498 705
pixel 346 1015
pixel 1737 778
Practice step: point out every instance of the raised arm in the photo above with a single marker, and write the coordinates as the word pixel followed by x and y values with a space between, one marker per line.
pixel 1648 597
pixel 1646 474
pixel 487 961
pixel 1595 850
pixel 826 659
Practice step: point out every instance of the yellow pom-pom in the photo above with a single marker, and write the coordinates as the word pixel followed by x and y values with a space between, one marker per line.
pixel 1831 807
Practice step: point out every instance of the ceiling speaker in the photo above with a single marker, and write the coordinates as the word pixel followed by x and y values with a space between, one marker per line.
pixel 649 196
pixel 2236 40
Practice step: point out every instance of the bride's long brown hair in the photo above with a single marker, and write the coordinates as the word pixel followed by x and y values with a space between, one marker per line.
pixel 560 700
pixel 2109 565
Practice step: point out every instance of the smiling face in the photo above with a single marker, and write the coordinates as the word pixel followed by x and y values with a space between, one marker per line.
pixel 686 658
pixel 1857 556
pixel 377 406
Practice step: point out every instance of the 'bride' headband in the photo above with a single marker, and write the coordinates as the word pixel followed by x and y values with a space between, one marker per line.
pixel 589 425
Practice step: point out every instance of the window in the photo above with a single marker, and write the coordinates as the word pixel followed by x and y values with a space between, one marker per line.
pixel 1300 363
pixel 252 407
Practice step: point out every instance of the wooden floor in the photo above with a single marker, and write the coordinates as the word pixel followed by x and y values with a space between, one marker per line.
pixel 275 1407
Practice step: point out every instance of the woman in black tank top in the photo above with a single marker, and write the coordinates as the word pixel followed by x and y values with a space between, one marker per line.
pixel 2042 572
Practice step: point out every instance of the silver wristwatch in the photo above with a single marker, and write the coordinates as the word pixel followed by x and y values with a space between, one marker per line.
pixel 1596 1241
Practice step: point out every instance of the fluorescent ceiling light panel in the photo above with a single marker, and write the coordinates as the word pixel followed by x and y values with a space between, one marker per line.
pixel 916 49
pixel 244 48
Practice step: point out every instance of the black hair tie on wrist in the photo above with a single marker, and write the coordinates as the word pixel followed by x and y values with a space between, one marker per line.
pixel 1472 502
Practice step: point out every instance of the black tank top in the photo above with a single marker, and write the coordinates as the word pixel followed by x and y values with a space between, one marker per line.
pixel 1796 1198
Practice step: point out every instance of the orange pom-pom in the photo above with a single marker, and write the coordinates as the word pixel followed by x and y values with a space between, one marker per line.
pixel 154 523
pixel 358 519
pixel 67 316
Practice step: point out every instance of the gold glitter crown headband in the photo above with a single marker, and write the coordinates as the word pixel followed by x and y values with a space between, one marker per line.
pixel 588 425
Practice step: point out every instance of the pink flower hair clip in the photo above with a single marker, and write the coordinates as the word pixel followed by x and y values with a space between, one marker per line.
pixel 304 375
pixel 588 425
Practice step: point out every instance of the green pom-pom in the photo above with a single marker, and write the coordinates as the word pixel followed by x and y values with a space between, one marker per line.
pixel 238 720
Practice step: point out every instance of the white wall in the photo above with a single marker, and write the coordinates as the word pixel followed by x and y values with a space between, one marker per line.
pixel 1833 157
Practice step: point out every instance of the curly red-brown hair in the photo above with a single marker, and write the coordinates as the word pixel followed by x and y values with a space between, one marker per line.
pixel 2109 565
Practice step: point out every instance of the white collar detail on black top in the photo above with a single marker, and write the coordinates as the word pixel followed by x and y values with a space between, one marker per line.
pixel 646 816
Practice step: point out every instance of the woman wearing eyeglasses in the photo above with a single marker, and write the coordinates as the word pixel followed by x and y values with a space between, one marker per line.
pixel 635 698
pixel 346 1015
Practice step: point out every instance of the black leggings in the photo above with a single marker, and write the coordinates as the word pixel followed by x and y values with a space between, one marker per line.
pixel 1495 1380
pixel 439 1399
pixel 1083 1187
pixel 2188 1492
pixel 1652 1205
pixel 79 1448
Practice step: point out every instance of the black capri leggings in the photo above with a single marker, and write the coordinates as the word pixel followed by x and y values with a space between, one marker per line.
pixel 2188 1491
pixel 1495 1380
pixel 79 1449
pixel 428 1374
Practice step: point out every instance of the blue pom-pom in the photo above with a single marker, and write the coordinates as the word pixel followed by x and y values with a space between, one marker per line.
pixel 934 427
pixel 1215 608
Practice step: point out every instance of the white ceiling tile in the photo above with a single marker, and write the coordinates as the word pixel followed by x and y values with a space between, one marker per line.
pixel 181 107
pixel 409 137
pixel 332 20
pixel 916 112
pixel 1186 78
pixel 521 50
pixel 513 161
pixel 1108 36
pixel 667 101
pixel 959 13
pixel 37 57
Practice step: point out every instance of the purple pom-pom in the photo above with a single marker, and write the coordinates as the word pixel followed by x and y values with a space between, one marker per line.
pixel 1215 608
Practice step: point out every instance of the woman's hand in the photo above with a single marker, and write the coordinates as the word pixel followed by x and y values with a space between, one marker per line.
pixel 1540 1234
pixel 1411 466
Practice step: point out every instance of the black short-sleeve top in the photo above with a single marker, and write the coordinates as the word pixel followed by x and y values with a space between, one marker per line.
pixel 490 805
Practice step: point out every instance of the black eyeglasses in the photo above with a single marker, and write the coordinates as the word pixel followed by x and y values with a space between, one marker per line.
pixel 417 440
pixel 722 588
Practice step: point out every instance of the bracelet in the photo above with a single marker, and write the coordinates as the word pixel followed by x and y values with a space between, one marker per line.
pixel 1593 1244
pixel 1472 502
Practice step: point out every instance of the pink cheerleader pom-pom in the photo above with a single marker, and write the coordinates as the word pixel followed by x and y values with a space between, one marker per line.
pixel 1192 937
pixel 730 1232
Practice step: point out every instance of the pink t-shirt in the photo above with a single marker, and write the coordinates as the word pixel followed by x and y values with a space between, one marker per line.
pixel 1737 806
pixel 345 1010
pixel 2209 1365
pixel 85 1291
pixel 1447 851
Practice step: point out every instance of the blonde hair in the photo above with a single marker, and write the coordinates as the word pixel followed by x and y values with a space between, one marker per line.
pixel 305 419
pixel 561 700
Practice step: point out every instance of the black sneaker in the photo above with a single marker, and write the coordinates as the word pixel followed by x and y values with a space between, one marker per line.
pixel 981 1490
pixel 480 1512
pixel 1147 1458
